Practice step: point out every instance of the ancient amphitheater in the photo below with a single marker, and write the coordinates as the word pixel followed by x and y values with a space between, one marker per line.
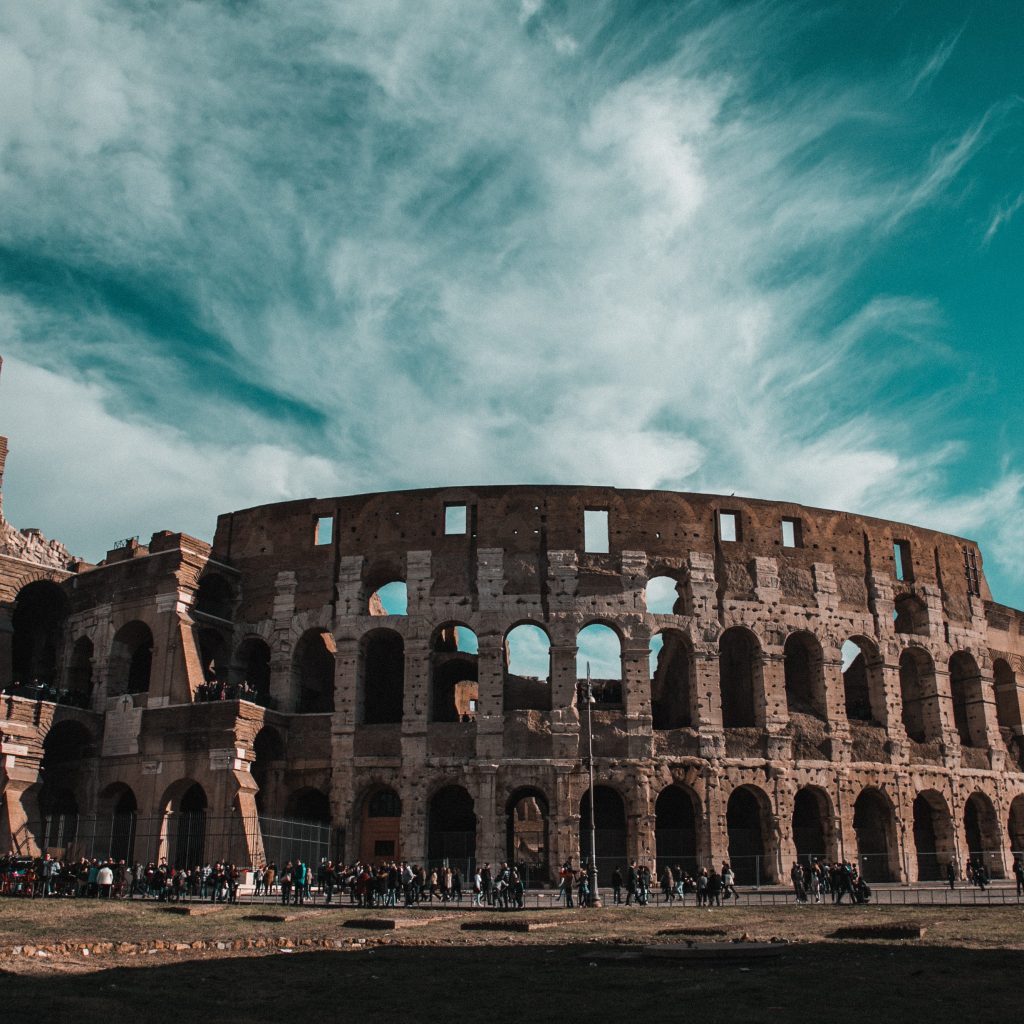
pixel 342 674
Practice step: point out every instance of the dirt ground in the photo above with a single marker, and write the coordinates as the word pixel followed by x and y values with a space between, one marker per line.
pixel 590 963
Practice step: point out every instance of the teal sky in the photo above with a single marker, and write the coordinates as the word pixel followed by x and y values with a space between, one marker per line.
pixel 252 251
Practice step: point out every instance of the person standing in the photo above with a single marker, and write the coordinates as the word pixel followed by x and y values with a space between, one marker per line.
pixel 632 880
pixel 951 874
pixel 616 886
pixel 1018 874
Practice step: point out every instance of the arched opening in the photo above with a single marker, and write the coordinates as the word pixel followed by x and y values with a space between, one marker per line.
pixel 184 830
pixel 968 700
pixel 739 674
pixel 309 804
pixel 662 596
pixel 380 826
pixel 875 828
pixel 37 622
pixel 390 599
pixel 131 660
pixel 213 655
pixel 66 748
pixel 383 675
pixel 80 672
pixel 119 810
pixel 748 819
pixel 804 675
pixel 1015 825
pixel 671 660
pixel 933 837
pixel 1007 698
pixel 526 834
pixel 253 662
pixel 812 826
pixel 268 767
pixel 527 669
pixel 984 841
pixel 58 808
pixel 215 597
pixel 863 685
pixel 610 829
pixel 910 615
pixel 451 828
pixel 454 684
pixel 917 693
pixel 675 829
pixel 599 650
pixel 313 672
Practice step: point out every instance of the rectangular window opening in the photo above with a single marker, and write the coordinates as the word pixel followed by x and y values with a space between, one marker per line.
pixel 595 531
pixel 454 520
pixel 384 848
pixel 792 533
pixel 901 555
pixel 728 526
pixel 323 532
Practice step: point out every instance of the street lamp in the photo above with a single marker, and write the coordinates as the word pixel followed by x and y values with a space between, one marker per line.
pixel 595 899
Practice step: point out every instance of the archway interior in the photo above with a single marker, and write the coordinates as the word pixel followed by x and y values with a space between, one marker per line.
pixel 746 826
pixel 610 827
pixel 873 826
pixel 857 683
pixel 802 670
pixel 380 827
pixel 451 828
pixel 968 711
pixel 253 662
pixel 675 830
pixel 40 610
pixel 983 839
pixel 931 839
pixel 190 828
pixel 80 668
pixel 309 804
pixel 910 615
pixel 214 597
pixel 671 695
pixel 314 668
pixel 737 666
pixel 661 596
pixel 131 659
pixel 1016 826
pixel 390 599
pixel 599 652
pixel 526 834
pixel 917 695
pixel 267 766
pixel 1007 702
pixel 810 830
pixel 527 683
pixel 383 678
pixel 454 674
pixel 123 807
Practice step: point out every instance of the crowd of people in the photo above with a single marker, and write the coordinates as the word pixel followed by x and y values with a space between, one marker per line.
pixel 38 689
pixel 216 689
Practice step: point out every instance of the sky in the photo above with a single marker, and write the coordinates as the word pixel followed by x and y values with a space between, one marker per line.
pixel 253 251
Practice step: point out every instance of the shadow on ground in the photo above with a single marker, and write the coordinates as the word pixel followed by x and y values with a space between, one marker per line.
pixel 854 982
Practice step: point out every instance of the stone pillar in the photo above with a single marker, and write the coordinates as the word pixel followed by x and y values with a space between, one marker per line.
pixel 706 701
pixel 6 641
pixel 939 720
pixel 636 694
pixel 281 687
pixel 413 828
pixel 770 711
pixel 490 578
pixel 349 585
pixel 348 694
pixel 565 721
pixel 715 847
pixel 490 708
pixel 490 830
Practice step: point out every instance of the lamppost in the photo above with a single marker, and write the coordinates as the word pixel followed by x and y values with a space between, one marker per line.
pixel 595 898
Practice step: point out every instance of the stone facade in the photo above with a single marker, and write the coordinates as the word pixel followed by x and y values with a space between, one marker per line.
pixel 741 737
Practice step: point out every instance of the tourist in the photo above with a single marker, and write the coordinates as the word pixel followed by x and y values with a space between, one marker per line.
pixel 616 881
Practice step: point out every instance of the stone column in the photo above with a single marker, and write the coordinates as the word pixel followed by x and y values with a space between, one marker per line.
pixel 490 708
pixel 636 693
pixel 282 691
pixel 490 838
pixel 565 721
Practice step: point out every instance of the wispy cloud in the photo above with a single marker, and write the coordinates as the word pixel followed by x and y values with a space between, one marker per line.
pixel 1002 215
pixel 937 61
pixel 390 244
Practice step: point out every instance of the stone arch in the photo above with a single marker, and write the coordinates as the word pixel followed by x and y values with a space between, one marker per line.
pixel 920 707
pixel 863 681
pixel 130 666
pixel 1007 700
pixel 451 827
pixel 804 674
pixel 676 817
pixel 672 674
pixel 215 598
pixel 183 832
pixel 599 650
pixel 739 667
pixel 380 825
pixel 981 829
pixel 252 662
pixel 527 828
pixel 527 668
pixel 308 804
pixel 662 597
pixel 750 826
pixel 968 699
pixel 934 836
pixel 1015 825
pixel 390 598
pixel 37 622
pixel 874 824
pixel 313 671
pixel 611 830
pixel 268 767
pixel 910 615
pixel 80 671
pixel 454 673
pixel 382 677
pixel 118 808
pixel 813 829
pixel 68 749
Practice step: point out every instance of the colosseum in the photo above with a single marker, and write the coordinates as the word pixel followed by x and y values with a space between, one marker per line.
pixel 403 674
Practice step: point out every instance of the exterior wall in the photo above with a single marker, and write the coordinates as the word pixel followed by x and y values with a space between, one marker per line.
pixel 521 560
